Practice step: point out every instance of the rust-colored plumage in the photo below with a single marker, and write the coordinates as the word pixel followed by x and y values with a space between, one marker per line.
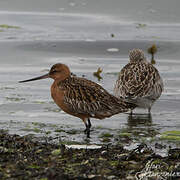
pixel 139 81
pixel 81 97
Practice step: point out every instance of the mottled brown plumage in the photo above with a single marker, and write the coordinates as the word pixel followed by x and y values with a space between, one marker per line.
pixel 81 97
pixel 139 81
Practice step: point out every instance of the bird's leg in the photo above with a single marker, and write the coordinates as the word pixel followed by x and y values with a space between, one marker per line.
pixel 87 130
pixel 149 110
pixel 88 126
pixel 89 123
pixel 131 112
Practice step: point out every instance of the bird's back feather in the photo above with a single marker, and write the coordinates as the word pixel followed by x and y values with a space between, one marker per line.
pixel 83 96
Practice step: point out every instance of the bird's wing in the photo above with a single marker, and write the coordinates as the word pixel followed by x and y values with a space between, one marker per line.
pixel 139 80
pixel 83 96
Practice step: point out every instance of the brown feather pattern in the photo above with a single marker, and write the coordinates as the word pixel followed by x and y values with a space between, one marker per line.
pixel 139 78
pixel 83 96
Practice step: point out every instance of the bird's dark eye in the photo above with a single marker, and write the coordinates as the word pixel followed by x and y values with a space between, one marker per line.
pixel 53 71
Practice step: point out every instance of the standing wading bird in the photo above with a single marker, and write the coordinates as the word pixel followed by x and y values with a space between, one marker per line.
pixel 139 81
pixel 81 97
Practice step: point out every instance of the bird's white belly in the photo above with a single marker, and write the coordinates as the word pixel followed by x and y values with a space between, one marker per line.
pixel 141 102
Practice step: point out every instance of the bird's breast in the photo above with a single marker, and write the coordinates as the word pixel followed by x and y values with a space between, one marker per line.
pixel 58 95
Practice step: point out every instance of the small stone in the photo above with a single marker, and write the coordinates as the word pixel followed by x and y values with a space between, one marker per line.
pixel 111 177
pixel 91 176
pixel 104 152
pixel 130 177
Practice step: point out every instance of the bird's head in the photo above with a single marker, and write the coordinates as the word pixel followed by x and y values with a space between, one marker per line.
pixel 57 72
pixel 136 55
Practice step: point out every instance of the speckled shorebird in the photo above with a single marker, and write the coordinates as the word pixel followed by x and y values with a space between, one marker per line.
pixel 139 81
pixel 81 97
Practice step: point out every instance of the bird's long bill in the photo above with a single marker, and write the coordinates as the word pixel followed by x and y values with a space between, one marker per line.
pixel 36 78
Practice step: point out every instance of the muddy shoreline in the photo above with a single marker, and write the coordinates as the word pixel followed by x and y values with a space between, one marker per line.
pixel 22 158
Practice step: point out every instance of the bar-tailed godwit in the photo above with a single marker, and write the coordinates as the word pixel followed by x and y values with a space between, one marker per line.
pixel 81 97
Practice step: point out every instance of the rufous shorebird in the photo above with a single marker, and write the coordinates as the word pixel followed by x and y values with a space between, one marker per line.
pixel 139 82
pixel 81 97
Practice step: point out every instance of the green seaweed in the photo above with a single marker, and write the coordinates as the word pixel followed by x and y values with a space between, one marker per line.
pixel 5 26
pixel 53 109
pixel 34 167
pixel 114 163
pixel 99 127
pixel 32 159
pixel 98 74
pixel 125 134
pixel 171 135
pixel 106 135
pixel 48 132
pixel 15 99
pixel 113 73
pixel 72 131
pixel 175 138
pixel 177 133
pixel 152 50
pixel 140 25
pixel 39 102
pixel 41 125
pixel 56 152
pixel 106 139
pixel 37 130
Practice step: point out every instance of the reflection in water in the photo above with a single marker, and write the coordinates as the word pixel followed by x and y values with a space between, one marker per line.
pixel 139 129
pixel 140 125
pixel 139 119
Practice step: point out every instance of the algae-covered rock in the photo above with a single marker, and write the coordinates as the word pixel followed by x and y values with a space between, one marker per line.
pixel 24 158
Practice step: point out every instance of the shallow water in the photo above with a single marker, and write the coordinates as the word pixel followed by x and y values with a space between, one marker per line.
pixel 43 39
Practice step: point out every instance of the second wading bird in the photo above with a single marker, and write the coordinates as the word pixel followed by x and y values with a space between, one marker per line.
pixel 81 97
pixel 139 81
